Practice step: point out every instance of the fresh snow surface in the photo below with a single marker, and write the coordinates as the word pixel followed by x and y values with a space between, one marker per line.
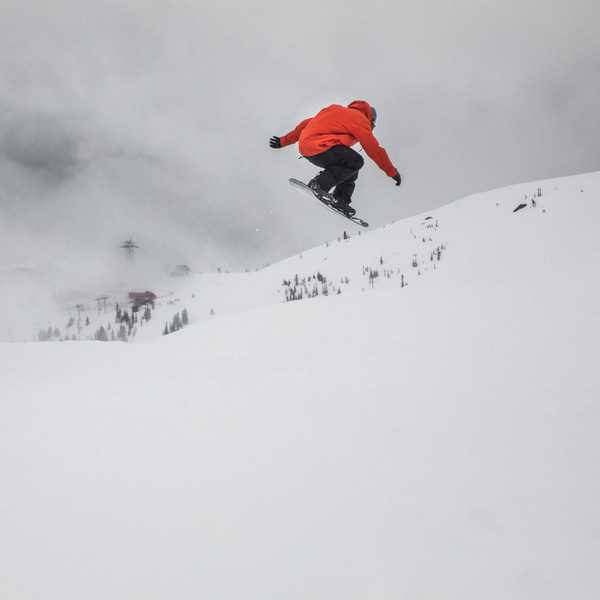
pixel 437 440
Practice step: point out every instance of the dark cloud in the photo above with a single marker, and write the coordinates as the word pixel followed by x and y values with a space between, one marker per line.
pixel 42 145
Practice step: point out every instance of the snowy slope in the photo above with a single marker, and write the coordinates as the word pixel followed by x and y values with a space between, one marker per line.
pixel 432 440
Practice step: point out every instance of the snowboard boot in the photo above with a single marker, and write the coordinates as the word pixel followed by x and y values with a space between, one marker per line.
pixel 343 205
pixel 315 186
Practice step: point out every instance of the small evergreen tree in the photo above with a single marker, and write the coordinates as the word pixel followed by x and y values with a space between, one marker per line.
pixel 185 319
pixel 176 323
pixel 101 334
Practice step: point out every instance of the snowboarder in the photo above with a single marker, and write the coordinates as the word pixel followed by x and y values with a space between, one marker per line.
pixel 326 140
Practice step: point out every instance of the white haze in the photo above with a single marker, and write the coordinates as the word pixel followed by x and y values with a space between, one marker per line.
pixel 130 119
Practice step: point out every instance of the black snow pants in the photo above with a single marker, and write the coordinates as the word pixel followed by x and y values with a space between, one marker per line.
pixel 341 165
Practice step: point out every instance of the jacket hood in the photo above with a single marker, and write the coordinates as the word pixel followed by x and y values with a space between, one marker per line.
pixel 363 106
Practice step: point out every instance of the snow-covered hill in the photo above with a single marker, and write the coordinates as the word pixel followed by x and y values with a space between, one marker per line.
pixel 428 432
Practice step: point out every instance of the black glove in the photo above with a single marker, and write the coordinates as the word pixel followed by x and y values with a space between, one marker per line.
pixel 397 178
pixel 275 142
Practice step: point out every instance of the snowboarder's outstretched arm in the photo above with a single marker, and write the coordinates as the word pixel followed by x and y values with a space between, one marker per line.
pixel 289 138
pixel 363 133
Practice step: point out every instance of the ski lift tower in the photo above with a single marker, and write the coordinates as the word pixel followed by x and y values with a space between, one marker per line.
pixel 79 308
pixel 129 246
pixel 102 301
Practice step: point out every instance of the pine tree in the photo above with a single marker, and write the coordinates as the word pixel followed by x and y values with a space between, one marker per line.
pixel 184 317
pixel 166 329
pixel 101 334
pixel 176 323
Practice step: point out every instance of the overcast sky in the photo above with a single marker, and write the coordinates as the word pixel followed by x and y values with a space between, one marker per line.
pixel 129 118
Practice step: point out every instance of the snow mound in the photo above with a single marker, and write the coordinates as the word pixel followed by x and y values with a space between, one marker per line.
pixel 428 432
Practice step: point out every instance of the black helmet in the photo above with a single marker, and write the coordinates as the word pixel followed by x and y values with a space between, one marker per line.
pixel 373 116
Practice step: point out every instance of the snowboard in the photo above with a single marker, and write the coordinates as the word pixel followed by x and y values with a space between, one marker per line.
pixel 327 201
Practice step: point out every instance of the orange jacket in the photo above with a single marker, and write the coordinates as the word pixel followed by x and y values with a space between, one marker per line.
pixel 337 125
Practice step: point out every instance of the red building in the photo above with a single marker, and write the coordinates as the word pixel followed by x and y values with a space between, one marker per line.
pixel 140 298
